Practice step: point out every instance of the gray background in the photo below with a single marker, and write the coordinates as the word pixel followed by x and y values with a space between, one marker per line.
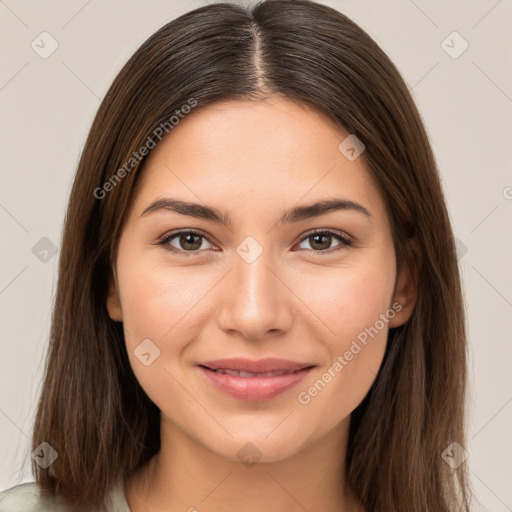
pixel 47 106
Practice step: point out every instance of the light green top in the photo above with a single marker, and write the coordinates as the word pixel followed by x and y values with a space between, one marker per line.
pixel 28 497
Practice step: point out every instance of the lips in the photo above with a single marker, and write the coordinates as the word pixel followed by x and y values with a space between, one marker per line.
pixel 238 373
pixel 254 381
pixel 269 364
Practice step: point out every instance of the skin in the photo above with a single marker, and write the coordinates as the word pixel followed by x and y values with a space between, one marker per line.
pixel 254 160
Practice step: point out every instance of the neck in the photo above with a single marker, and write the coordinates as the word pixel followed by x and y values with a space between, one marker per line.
pixel 187 476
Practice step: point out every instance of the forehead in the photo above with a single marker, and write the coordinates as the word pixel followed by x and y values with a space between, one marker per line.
pixel 254 154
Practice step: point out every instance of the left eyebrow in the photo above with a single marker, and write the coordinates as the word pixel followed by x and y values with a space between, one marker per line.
pixel 295 214
pixel 299 213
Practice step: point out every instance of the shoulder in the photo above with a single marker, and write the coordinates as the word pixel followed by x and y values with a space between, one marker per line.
pixel 29 497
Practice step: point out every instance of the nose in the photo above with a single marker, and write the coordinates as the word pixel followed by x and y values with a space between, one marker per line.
pixel 254 300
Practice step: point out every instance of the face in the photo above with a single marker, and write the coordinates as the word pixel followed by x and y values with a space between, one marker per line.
pixel 316 287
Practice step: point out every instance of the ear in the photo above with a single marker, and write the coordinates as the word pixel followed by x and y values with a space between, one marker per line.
pixel 406 285
pixel 113 303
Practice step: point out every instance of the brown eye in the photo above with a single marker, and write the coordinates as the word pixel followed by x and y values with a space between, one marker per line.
pixel 189 241
pixel 321 241
pixel 184 242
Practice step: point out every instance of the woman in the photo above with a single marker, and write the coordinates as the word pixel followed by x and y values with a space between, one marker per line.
pixel 259 303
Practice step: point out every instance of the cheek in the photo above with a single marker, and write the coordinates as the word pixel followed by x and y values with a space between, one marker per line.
pixel 361 333
pixel 355 307
pixel 351 297
pixel 152 306
pixel 156 302
pixel 166 307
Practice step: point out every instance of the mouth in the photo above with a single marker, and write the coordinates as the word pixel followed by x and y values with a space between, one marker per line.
pixel 259 366
pixel 254 386
pixel 240 373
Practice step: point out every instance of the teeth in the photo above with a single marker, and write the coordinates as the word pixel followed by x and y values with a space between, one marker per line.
pixel 237 373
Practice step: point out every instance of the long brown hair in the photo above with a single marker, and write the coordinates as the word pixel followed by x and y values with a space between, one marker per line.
pixel 92 410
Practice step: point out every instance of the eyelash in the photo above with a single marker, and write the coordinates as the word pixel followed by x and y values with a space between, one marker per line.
pixel 345 242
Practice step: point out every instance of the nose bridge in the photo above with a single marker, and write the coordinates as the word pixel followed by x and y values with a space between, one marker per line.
pixel 253 301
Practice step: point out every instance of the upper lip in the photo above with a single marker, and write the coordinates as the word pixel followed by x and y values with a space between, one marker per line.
pixel 269 364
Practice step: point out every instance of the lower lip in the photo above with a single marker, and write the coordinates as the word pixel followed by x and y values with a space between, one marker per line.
pixel 254 389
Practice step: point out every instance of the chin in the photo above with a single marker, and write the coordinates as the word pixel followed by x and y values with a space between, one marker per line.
pixel 258 448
